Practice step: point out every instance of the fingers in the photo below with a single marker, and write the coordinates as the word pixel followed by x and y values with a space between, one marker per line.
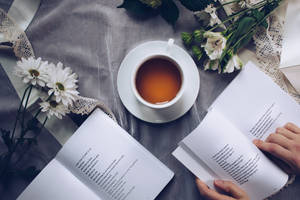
pixel 274 149
pixel 286 133
pixel 209 193
pixel 283 165
pixel 230 188
pixel 292 127
pixel 280 140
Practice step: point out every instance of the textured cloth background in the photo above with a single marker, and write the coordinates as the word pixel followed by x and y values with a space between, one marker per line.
pixel 92 37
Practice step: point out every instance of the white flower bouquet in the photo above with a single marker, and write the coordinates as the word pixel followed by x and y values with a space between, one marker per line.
pixel 57 84
pixel 57 90
pixel 217 42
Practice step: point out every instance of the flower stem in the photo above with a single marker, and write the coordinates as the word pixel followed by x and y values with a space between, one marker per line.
pixel 51 95
pixel 18 113
pixel 252 29
pixel 25 106
pixel 258 5
pixel 37 113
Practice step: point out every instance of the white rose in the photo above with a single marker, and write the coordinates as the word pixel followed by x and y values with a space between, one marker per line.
pixel 215 45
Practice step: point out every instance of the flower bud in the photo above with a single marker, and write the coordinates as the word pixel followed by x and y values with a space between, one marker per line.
pixel 187 38
pixel 198 35
pixel 197 52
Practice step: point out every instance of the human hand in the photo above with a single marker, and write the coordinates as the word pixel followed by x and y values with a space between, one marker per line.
pixel 233 191
pixel 285 145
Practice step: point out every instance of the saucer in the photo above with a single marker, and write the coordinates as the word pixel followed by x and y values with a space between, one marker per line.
pixel 139 110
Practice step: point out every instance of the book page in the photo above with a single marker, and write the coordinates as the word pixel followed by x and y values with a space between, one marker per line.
pixel 110 162
pixel 222 147
pixel 195 164
pixel 256 105
pixel 56 182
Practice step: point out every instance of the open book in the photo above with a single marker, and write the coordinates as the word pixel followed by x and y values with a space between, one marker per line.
pixel 100 161
pixel 221 147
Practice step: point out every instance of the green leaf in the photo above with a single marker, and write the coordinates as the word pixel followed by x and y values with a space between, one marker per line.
pixel 258 15
pixel 244 26
pixel 5 134
pixel 138 9
pixel 169 11
pixel 2 161
pixel 271 6
pixel 196 5
pixel 244 42
pixel 264 24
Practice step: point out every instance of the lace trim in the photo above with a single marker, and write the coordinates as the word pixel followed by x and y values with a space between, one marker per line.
pixel 268 51
pixel 85 105
pixel 12 34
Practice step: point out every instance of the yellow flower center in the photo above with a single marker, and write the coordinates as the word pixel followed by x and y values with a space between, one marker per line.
pixel 34 72
pixel 60 86
pixel 53 104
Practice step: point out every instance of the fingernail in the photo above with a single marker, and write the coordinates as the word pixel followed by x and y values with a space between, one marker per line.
pixel 219 182
pixel 255 141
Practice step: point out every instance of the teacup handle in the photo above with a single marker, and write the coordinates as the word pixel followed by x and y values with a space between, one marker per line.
pixel 170 45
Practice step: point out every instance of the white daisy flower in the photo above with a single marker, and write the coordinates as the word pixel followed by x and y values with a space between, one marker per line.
pixel 214 45
pixel 53 108
pixel 62 83
pixel 234 63
pixel 32 71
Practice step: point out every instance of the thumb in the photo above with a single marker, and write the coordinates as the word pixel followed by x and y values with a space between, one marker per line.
pixel 230 188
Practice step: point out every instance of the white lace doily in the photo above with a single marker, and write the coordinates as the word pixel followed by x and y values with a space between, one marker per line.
pixel 22 48
pixel 268 51
pixel 12 34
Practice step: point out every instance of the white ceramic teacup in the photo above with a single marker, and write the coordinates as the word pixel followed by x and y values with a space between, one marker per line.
pixel 167 56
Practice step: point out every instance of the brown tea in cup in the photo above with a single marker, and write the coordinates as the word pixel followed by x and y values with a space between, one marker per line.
pixel 158 80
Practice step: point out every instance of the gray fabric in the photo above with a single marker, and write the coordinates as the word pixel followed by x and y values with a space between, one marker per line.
pixel 92 37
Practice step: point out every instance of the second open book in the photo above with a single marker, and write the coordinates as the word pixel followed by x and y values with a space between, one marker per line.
pixel 221 147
